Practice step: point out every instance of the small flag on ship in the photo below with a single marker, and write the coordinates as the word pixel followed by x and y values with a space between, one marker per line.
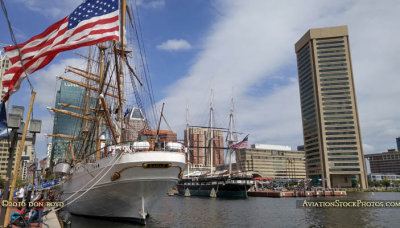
pixel 241 144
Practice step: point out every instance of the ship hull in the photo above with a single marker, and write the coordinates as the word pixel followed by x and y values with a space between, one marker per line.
pixel 223 188
pixel 132 195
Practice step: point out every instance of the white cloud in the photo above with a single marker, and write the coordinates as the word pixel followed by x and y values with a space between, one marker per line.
pixel 253 42
pixel 46 84
pixel 369 149
pixel 175 45
pixel 51 8
pixel 45 81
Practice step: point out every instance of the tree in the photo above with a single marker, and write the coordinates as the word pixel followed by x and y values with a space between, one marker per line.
pixel 20 182
pixel 385 183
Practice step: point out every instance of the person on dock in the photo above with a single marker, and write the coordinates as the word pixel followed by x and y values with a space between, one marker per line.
pixel 21 194
pixel 38 210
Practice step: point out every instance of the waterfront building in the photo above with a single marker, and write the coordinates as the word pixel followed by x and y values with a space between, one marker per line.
pixel 28 154
pixel 163 135
pixel 199 139
pixel 5 64
pixel 384 163
pixel 381 176
pixel 331 130
pixel 274 161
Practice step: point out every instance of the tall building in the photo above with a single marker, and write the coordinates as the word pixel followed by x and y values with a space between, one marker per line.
pixel 199 139
pixel 134 123
pixel 398 143
pixel 5 64
pixel 331 130
pixel 68 95
pixel 28 154
pixel 384 163
pixel 278 162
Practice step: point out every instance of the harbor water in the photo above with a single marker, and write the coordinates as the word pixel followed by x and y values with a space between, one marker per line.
pixel 178 211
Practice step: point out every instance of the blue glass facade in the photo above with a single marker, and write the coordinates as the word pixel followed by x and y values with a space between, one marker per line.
pixel 72 95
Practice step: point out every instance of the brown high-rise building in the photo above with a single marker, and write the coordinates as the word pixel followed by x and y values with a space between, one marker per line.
pixel 332 140
pixel 200 146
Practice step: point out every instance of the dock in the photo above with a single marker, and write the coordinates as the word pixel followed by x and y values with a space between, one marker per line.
pixel 51 220
pixel 279 194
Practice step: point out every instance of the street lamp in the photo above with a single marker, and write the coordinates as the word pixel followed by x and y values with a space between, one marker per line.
pixel 34 127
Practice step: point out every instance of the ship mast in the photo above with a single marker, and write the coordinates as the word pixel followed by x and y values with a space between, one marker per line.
pixel 230 139
pixel 120 77
pixel 187 140
pixel 87 94
pixel 212 132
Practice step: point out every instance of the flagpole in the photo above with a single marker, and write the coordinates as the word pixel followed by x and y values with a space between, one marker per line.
pixel 18 161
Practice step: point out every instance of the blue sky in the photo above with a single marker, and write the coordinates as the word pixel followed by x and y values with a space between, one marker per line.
pixel 244 48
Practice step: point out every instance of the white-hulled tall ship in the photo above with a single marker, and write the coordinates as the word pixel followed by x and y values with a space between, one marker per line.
pixel 126 184
pixel 115 168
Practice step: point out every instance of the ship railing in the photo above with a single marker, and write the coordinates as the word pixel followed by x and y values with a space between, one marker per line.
pixel 139 146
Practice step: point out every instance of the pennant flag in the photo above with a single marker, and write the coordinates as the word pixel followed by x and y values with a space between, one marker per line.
pixel 3 120
pixel 240 144
pixel 31 168
pixel 94 21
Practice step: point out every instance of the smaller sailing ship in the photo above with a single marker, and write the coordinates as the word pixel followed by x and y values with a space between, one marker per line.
pixel 204 181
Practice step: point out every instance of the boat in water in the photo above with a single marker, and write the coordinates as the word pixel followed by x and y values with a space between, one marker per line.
pixel 223 186
pixel 123 186
pixel 116 167
pixel 203 180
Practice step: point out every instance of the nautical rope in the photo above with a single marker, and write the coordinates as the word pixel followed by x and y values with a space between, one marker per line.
pixel 88 182
pixel 119 156
pixel 15 43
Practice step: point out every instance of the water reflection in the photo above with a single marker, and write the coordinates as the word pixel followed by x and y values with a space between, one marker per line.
pixel 260 212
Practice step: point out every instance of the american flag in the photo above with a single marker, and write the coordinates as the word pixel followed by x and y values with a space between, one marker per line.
pixel 240 144
pixel 94 21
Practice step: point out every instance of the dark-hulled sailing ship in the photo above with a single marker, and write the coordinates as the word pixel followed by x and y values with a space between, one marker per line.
pixel 204 181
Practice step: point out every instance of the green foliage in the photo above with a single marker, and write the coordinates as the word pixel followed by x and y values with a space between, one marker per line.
pixel 20 182
pixel 385 183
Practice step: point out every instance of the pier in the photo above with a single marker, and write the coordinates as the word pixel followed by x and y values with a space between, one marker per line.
pixel 279 193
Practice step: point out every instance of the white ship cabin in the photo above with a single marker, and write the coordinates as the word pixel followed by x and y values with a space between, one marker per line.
pixel 143 146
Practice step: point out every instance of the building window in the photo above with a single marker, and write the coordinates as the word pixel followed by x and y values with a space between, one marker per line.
pixel 343 148
pixel 342 159
pixel 344 153
pixel 330 42
pixel 344 169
